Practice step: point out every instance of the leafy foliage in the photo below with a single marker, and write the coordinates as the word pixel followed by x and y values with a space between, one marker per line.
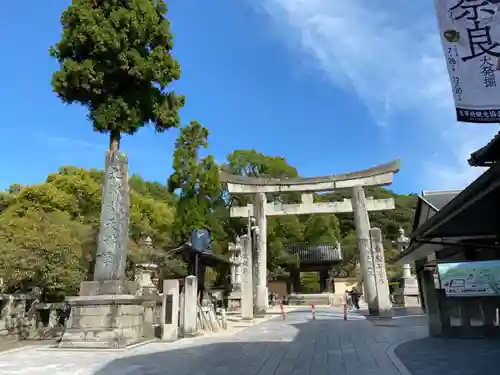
pixel 48 231
pixel 48 250
pixel 115 58
pixel 195 179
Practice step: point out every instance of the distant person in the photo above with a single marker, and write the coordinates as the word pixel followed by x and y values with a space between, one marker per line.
pixel 355 295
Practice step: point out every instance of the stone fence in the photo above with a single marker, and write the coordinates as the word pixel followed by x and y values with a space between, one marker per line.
pixel 24 317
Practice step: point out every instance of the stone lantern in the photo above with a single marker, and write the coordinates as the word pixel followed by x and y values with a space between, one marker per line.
pixel 234 298
pixel 145 272
pixel 407 294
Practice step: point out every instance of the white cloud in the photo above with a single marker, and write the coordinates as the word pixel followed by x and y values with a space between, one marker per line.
pixel 388 53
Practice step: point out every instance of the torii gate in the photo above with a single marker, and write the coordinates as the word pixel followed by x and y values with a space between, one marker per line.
pixel 258 187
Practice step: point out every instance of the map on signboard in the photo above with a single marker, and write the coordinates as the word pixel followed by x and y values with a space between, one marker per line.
pixel 470 279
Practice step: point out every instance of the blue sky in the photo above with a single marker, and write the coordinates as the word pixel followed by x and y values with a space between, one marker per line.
pixel 334 86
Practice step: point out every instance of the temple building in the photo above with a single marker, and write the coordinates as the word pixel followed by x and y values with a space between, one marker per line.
pixel 313 258
pixel 455 247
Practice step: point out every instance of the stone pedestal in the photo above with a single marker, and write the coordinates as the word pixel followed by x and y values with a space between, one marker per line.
pixel 105 315
pixel 407 293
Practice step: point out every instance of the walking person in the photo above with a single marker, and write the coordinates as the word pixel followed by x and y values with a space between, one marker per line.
pixel 355 295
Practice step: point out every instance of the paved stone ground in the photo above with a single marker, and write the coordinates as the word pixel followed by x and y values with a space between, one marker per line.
pixel 7 345
pixel 297 346
pixel 432 356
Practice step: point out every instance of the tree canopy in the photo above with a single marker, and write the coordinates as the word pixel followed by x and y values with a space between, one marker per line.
pixel 115 58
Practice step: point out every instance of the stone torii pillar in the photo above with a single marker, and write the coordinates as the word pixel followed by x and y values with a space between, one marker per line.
pixel 261 300
pixel 362 223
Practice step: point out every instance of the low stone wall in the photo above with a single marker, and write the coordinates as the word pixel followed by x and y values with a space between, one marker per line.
pixel 24 317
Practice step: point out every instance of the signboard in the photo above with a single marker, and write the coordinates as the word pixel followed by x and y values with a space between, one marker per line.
pixel 470 279
pixel 470 35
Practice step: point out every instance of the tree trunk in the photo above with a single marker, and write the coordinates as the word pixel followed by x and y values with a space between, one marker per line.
pixel 114 140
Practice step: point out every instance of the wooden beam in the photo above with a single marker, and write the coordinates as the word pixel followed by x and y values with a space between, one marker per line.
pixel 313 208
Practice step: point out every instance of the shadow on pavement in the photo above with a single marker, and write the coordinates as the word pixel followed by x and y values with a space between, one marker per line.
pixel 434 356
pixel 299 346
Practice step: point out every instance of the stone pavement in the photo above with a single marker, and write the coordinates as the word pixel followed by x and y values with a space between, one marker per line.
pixel 299 345
pixel 432 356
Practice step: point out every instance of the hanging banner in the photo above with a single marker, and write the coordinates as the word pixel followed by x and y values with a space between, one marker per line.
pixel 470 34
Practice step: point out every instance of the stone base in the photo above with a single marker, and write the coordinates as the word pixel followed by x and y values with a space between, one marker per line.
pixel 106 315
pixel 108 287
pixel 234 301
pixel 107 322
pixel 407 298
pixel 407 294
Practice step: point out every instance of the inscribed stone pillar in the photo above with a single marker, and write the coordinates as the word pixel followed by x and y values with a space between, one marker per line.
pixel 261 256
pixel 115 205
pixel 107 314
pixel 170 310
pixel 384 305
pixel 190 312
pixel 362 223
pixel 246 278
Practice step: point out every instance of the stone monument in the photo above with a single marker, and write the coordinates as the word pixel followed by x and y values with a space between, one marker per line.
pixel 383 305
pixel 407 293
pixel 234 299
pixel 246 278
pixel 107 313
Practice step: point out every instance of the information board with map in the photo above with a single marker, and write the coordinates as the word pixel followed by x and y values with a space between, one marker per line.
pixel 470 279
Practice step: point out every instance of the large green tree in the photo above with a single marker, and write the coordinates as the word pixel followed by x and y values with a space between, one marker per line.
pixel 196 180
pixel 281 231
pixel 46 250
pixel 115 58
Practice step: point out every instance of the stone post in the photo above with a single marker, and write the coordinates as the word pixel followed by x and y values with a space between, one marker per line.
pixel 261 256
pixel 111 253
pixel 190 306
pixel 246 279
pixel 383 301
pixel 170 310
pixel 362 223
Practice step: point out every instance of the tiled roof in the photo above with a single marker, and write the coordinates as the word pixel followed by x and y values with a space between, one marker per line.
pixel 439 198
pixel 487 154
pixel 316 253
